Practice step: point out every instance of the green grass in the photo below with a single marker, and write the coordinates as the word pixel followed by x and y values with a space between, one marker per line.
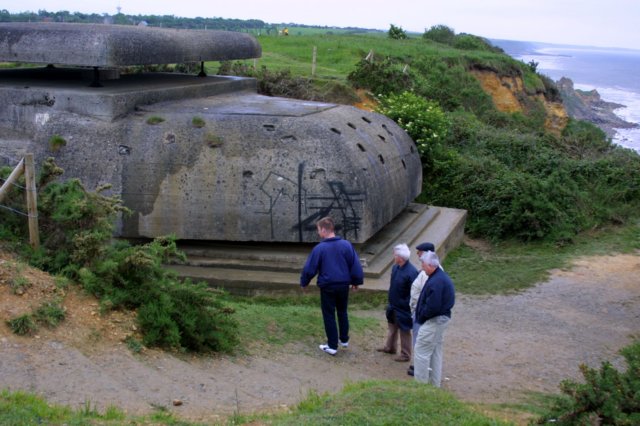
pixel 50 314
pixel 370 403
pixel 279 322
pixel 154 119
pixel 26 409
pixel 513 266
pixel 380 403
pixel 198 122
pixel 56 142
pixel 19 284
pixel 337 54
pixel 23 325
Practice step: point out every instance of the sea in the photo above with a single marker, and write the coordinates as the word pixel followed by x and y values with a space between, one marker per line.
pixel 613 72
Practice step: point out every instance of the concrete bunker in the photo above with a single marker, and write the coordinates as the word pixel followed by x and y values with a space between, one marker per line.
pixel 201 157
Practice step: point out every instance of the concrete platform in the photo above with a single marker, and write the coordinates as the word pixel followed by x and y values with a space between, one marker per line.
pixel 66 90
pixel 258 268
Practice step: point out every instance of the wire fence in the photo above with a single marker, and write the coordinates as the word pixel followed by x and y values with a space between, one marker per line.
pixel 11 162
pixel 14 162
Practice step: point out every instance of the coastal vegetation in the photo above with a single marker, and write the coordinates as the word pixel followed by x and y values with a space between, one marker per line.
pixel 563 194
pixel 76 227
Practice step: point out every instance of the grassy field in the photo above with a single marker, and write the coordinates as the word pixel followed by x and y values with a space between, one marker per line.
pixel 511 266
pixel 370 403
pixel 337 54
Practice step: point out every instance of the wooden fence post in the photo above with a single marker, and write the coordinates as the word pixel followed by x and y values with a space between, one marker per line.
pixel 13 177
pixel 32 203
pixel 313 61
pixel 369 56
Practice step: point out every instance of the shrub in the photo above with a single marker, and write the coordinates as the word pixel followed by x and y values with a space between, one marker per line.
pixel 279 83
pixel 22 325
pixel 172 314
pixel 133 344
pixel 381 78
pixel 154 119
pixel 441 34
pixel 50 314
pixel 56 142
pixel 396 33
pixel 197 122
pixel 75 224
pixel 607 396
pixel 530 186
pixel 76 228
pixel 451 85
pixel 422 119
pixel 472 42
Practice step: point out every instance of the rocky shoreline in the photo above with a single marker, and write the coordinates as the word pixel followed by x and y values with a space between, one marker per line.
pixel 589 106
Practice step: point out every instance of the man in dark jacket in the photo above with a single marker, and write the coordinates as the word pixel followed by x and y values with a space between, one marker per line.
pixel 398 312
pixel 433 314
pixel 337 265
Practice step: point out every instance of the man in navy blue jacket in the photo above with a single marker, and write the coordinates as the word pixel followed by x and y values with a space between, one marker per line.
pixel 433 313
pixel 337 265
pixel 398 311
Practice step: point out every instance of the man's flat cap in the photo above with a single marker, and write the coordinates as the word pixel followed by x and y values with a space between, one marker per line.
pixel 426 247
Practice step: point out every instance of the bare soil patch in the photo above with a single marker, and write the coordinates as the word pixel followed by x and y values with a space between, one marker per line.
pixel 497 348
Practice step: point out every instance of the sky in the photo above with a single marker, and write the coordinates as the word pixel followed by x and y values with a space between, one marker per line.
pixel 611 23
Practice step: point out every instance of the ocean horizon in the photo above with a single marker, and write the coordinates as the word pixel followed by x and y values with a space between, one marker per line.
pixel 613 72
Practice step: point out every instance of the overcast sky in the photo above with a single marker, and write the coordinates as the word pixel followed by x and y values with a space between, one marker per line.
pixel 610 23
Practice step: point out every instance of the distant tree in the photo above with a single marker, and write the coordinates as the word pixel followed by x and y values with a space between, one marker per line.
pixel 472 42
pixel 441 34
pixel 5 16
pixel 396 33
pixel 121 19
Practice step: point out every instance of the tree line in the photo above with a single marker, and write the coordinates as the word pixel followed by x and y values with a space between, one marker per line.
pixel 166 21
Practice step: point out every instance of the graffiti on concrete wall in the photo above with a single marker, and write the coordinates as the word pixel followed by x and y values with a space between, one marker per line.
pixel 336 200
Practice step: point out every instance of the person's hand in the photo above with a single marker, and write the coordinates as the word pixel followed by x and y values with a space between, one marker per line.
pixel 354 287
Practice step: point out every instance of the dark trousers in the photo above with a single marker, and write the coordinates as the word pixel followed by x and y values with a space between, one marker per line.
pixel 332 300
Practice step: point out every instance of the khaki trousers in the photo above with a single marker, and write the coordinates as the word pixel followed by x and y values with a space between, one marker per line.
pixel 391 342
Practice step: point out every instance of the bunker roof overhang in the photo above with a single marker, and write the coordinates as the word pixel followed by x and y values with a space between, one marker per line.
pixel 111 46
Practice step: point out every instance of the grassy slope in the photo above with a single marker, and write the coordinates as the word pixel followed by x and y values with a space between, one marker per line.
pixel 338 53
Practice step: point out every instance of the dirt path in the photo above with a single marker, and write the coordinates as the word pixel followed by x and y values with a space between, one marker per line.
pixel 496 348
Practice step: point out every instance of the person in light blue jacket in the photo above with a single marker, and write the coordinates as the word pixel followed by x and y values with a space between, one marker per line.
pixel 337 265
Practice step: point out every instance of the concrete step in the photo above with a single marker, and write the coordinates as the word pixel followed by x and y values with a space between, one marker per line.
pixel 237 281
pixel 255 268
pixel 379 256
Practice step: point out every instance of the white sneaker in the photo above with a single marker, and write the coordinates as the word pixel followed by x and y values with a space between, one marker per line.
pixel 328 350
pixel 343 345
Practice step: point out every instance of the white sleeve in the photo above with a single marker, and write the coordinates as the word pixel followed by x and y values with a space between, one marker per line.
pixel 416 288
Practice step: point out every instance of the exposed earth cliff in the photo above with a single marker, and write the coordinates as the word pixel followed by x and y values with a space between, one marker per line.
pixel 509 95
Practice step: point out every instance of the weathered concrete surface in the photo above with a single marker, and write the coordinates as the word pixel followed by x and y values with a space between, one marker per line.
pixel 254 269
pixel 109 46
pixel 65 91
pixel 249 168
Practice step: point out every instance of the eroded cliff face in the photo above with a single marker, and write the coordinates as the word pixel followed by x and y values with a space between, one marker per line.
pixel 509 95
